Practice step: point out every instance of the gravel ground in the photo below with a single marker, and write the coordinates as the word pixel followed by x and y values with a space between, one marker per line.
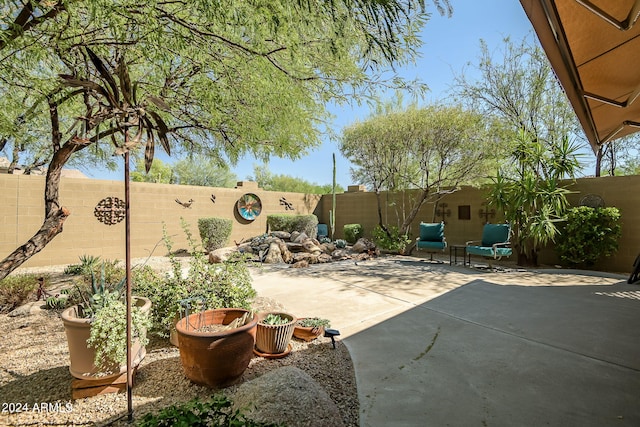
pixel 35 383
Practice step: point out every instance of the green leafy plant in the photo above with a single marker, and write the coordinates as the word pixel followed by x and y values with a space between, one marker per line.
pixel 87 263
pixel 393 241
pixel 307 224
pixel 15 290
pixel 588 234
pixel 275 319
pixel 58 301
pixel 352 232
pixel 98 294
pixel 217 411
pixel 109 331
pixel 214 232
pixel 314 322
pixel 220 285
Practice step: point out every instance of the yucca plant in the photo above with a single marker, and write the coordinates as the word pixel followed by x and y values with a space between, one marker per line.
pixel 113 101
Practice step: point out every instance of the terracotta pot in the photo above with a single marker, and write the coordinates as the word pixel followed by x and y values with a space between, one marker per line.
pixel 274 339
pixel 82 356
pixel 307 333
pixel 215 359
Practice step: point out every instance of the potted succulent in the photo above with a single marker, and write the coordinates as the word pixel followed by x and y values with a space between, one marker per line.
pixel 310 328
pixel 96 328
pixel 216 345
pixel 274 332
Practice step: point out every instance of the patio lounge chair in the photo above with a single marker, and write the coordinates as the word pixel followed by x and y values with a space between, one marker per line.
pixel 494 244
pixel 431 238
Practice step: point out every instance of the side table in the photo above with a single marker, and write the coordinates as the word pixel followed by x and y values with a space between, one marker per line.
pixel 453 254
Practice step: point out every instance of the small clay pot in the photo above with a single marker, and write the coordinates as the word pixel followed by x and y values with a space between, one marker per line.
pixel 307 333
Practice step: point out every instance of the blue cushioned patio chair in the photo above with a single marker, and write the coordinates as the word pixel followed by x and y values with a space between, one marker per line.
pixel 323 230
pixel 494 244
pixel 431 238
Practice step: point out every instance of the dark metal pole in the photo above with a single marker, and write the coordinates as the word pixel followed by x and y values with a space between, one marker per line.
pixel 128 279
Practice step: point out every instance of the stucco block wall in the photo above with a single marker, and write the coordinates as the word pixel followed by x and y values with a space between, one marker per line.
pixel 361 207
pixel 152 205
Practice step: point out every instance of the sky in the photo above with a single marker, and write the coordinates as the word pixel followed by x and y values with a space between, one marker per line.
pixel 449 46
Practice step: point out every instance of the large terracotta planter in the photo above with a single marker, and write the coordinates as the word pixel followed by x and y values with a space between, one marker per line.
pixel 82 356
pixel 215 359
pixel 274 339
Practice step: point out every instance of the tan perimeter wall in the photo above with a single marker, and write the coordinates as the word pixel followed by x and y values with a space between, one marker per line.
pixel 152 205
pixel 622 192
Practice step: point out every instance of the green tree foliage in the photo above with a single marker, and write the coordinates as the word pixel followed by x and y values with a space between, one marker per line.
pixel 195 171
pixel 521 91
pixel 531 194
pixel 281 182
pixel 433 149
pixel 589 234
pixel 204 172
pixel 160 172
pixel 220 80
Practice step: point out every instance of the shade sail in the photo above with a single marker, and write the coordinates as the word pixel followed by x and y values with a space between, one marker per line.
pixel 594 49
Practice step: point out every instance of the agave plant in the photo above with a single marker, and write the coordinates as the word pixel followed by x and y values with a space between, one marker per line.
pixel 115 102
pixel 99 296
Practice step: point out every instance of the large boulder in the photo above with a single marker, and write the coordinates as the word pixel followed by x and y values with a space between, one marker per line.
pixel 286 255
pixel 221 255
pixel 274 256
pixel 284 235
pixel 301 237
pixel 310 246
pixel 363 245
pixel 288 396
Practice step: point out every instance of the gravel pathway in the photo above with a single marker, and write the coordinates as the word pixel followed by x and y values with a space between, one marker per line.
pixel 35 383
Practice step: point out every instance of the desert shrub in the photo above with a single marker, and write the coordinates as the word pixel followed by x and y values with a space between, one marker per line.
pixel 307 224
pixel 16 290
pixel 394 241
pixel 588 234
pixel 217 411
pixel 352 232
pixel 219 285
pixel 214 232
pixel 87 263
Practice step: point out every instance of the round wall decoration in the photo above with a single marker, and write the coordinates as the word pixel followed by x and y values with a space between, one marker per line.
pixel 592 200
pixel 249 206
pixel 110 210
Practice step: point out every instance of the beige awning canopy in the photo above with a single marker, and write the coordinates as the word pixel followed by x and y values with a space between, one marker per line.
pixel 594 48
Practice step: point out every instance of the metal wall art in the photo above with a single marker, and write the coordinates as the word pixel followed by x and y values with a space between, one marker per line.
pixel 288 206
pixel 185 204
pixel 486 212
pixel 249 206
pixel 110 210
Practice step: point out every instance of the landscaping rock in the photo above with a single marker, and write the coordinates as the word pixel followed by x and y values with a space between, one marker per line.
pixel 281 235
pixel 311 247
pixel 340 254
pixel 363 245
pixel 289 396
pixel 221 255
pixel 300 264
pixel 300 238
pixel 274 256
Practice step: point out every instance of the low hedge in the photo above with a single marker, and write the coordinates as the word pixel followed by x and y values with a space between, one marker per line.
pixel 214 232
pixel 352 232
pixel 307 224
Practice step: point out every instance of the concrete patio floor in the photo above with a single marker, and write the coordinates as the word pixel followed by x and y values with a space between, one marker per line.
pixel 440 345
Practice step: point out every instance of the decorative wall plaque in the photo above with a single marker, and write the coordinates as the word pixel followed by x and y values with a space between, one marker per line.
pixel 249 206
pixel 110 210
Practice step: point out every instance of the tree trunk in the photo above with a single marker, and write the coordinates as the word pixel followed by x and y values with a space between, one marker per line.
pixel 55 215
pixel 414 211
